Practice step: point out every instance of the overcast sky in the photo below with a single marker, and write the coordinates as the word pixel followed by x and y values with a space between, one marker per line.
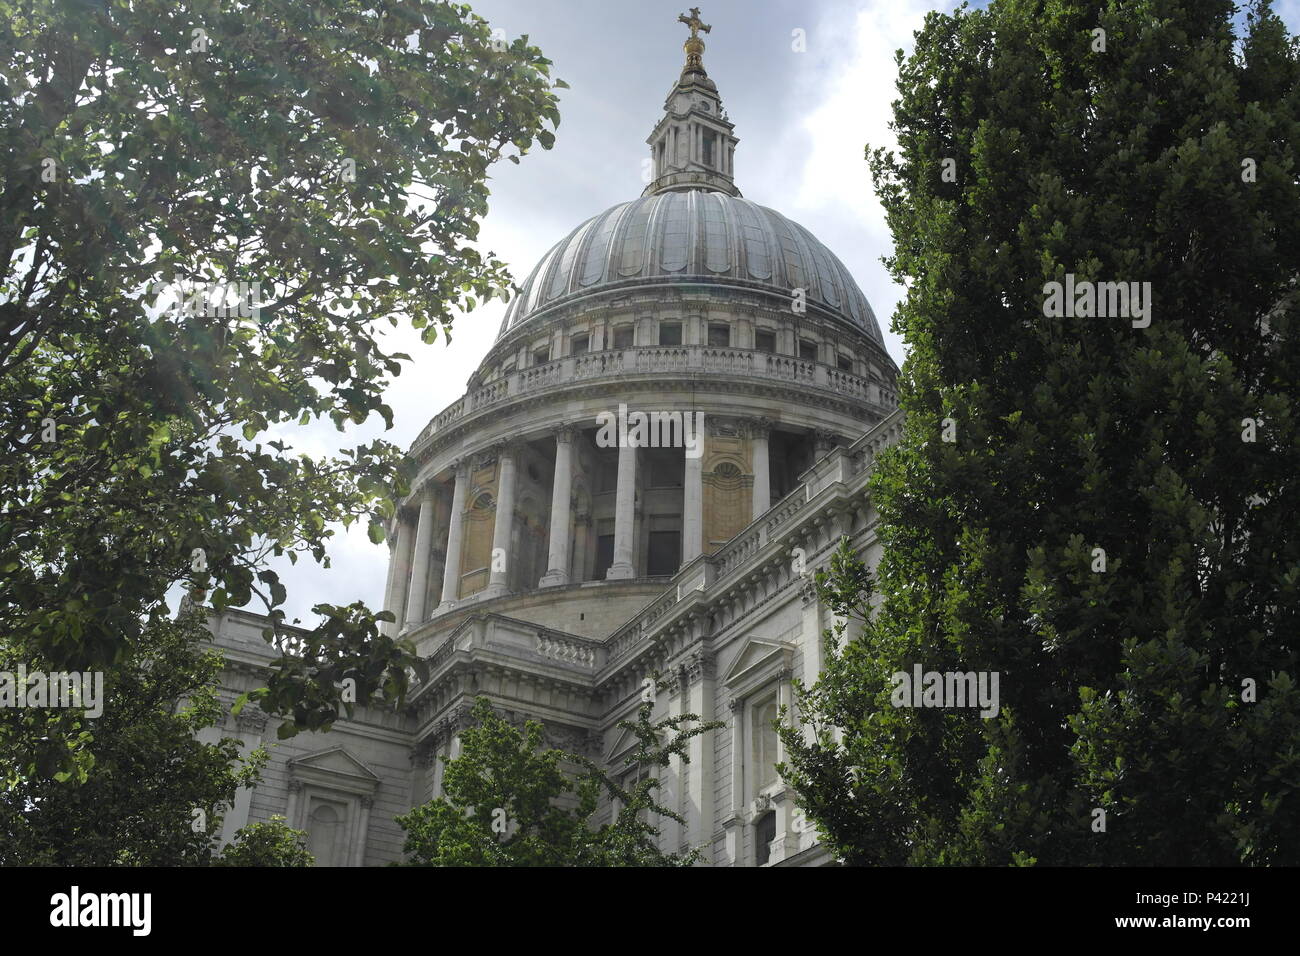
pixel 803 119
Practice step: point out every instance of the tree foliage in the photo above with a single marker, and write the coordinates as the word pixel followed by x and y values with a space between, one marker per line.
pixel 271 843
pixel 332 157
pixel 1103 532
pixel 507 801
pixel 142 790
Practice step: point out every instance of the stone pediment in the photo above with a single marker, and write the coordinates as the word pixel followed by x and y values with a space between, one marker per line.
pixel 334 767
pixel 755 658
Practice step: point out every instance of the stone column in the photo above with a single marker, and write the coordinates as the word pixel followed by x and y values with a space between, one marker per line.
pixel 455 535
pixel 693 505
pixel 762 494
pixel 557 570
pixel 399 573
pixel 420 565
pixel 503 529
pixel 624 515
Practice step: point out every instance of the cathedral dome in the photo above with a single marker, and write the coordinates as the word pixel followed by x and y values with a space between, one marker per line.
pixel 692 236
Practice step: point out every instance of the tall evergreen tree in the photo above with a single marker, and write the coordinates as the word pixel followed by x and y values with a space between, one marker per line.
pixel 1100 510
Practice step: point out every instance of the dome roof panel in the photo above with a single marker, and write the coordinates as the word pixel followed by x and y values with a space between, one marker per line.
pixel 693 236
pixel 717 246
pixel 674 244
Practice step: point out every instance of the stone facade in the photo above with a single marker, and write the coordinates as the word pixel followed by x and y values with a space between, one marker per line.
pixel 553 569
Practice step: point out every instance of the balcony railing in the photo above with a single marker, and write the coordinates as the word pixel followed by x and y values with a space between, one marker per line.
pixel 655 360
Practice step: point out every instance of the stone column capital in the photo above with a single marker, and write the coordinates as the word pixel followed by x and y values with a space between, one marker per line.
pixel 507 448
pixel 699 666
pixel 824 438
pixel 564 433
pixel 758 427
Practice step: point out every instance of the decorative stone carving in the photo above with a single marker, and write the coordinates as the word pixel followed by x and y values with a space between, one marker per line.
pixel 252 721
pixel 700 666
pixel 722 427
pixel 425 753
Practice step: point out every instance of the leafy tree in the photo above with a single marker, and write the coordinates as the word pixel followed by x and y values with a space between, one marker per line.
pixel 508 802
pixel 142 790
pixel 331 156
pixel 271 843
pixel 1101 512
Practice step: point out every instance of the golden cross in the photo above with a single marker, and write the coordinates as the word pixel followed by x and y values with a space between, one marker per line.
pixel 693 21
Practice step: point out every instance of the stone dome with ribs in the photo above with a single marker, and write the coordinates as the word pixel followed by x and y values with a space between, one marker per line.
pixel 692 236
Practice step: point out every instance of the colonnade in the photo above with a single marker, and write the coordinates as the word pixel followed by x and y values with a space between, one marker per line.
pixel 419 533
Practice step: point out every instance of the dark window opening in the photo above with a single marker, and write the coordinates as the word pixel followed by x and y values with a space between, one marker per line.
pixel 604 555
pixel 670 333
pixel 581 344
pixel 709 140
pixel 720 336
pixel 623 337
pixel 845 363
pixel 764 834
pixel 665 554
pixel 765 342
pixel 807 350
pixel 790 455
pixel 542 356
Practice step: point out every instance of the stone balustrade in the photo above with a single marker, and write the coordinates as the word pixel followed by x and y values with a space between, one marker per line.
pixel 655 360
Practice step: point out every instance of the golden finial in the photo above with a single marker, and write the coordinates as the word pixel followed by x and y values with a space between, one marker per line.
pixel 694 46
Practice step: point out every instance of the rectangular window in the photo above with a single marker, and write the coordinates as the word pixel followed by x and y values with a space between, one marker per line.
pixel 765 342
pixel 719 336
pixel 670 333
pixel 709 140
pixel 623 337
pixel 845 363
pixel 665 555
pixel 764 834
pixel 580 345
pixel 604 555
pixel 542 356
pixel 807 350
